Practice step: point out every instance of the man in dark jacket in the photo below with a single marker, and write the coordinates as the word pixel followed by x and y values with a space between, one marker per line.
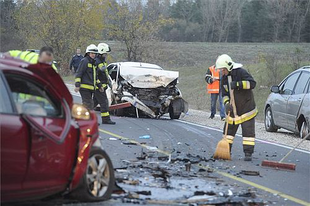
pixel 86 77
pixel 100 94
pixel 241 83
pixel 75 61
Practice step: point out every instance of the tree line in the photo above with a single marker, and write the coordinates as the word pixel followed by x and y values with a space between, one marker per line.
pixel 235 20
pixel 139 24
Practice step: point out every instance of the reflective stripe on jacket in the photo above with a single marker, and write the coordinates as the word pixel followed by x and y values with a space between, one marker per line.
pixel 28 56
pixel 214 74
pixel 86 75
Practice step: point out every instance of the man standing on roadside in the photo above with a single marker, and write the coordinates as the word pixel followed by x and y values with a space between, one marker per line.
pixel 103 77
pixel 86 77
pixel 237 86
pixel 75 61
pixel 213 79
pixel 46 55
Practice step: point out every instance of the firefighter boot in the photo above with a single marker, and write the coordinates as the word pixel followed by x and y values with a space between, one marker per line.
pixel 107 120
pixel 247 157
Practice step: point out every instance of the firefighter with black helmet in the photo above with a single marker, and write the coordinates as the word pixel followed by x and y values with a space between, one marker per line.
pixel 100 93
pixel 242 83
pixel 86 76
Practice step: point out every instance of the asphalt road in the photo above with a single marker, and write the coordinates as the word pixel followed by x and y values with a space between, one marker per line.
pixel 181 138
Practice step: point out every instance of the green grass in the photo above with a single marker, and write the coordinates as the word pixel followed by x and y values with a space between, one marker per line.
pixel 193 59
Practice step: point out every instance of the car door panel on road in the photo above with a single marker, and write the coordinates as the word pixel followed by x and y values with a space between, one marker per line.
pixel 49 162
pixel 295 100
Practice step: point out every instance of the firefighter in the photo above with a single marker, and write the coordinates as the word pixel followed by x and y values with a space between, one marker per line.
pixel 33 57
pixel 86 76
pixel 100 93
pixel 242 84
pixel 213 77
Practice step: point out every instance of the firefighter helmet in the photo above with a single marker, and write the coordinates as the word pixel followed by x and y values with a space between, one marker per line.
pixel 103 48
pixel 224 61
pixel 92 49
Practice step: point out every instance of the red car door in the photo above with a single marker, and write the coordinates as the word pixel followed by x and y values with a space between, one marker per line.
pixel 53 139
pixel 14 144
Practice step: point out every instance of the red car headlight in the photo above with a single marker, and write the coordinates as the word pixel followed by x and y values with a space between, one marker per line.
pixel 80 112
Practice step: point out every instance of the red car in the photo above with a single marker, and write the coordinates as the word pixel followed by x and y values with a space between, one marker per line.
pixel 49 145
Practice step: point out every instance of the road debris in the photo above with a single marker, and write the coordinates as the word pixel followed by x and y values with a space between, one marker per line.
pixel 128 143
pixel 145 137
pixel 250 173
pixel 144 192
pixel 182 182
pixel 188 167
pixel 151 148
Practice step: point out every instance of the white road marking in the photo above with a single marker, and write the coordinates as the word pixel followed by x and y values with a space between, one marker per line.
pixel 256 139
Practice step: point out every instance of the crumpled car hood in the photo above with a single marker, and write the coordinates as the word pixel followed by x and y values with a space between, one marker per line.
pixel 148 78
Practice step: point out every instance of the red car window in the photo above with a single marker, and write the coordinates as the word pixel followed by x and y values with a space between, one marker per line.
pixel 29 98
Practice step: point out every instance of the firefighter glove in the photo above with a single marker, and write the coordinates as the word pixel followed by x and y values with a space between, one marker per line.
pixel 228 108
pixel 103 87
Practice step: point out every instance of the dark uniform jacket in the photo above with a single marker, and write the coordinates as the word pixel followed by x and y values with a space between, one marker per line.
pixel 102 70
pixel 86 76
pixel 75 61
pixel 243 95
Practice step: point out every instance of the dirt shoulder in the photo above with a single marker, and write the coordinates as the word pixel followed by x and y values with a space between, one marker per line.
pixel 283 137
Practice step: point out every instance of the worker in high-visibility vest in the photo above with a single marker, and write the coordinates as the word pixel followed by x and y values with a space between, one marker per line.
pixel 242 83
pixel 100 93
pixel 86 77
pixel 46 55
pixel 44 58
pixel 213 77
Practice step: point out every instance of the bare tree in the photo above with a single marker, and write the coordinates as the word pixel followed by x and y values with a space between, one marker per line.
pixel 278 11
pixel 128 25
pixel 219 16
pixel 303 7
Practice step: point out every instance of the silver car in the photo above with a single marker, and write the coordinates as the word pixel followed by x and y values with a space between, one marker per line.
pixel 288 105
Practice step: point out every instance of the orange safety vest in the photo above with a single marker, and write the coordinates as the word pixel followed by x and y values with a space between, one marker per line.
pixel 215 86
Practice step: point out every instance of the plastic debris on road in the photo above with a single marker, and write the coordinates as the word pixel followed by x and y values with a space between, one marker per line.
pixel 145 137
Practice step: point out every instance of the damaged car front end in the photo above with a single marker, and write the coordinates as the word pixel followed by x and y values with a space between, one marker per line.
pixel 148 88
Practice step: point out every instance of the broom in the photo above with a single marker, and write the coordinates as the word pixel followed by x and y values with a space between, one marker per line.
pixel 280 164
pixel 222 148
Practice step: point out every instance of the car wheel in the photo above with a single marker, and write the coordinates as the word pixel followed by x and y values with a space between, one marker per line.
pixel 98 181
pixel 173 114
pixel 175 108
pixel 269 123
pixel 304 129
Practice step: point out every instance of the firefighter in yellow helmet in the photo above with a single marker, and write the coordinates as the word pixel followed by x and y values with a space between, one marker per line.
pixel 100 94
pixel 46 55
pixel 242 83
pixel 86 76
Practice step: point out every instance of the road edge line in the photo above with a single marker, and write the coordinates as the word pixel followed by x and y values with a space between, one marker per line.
pixel 256 139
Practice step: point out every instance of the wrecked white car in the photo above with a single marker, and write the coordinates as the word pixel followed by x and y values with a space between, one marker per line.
pixel 148 88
